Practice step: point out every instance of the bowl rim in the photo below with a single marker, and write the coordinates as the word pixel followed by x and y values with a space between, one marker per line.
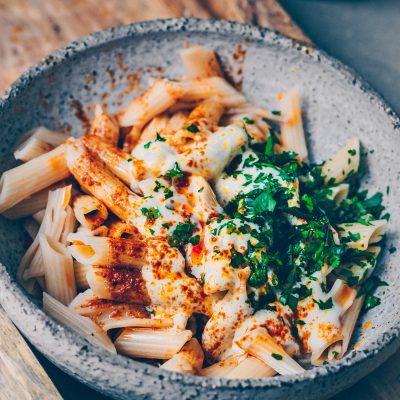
pixel 12 292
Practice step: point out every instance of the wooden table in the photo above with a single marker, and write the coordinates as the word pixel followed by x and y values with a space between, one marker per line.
pixel 30 29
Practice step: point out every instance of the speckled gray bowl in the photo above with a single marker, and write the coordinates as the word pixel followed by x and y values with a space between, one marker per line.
pixel 101 67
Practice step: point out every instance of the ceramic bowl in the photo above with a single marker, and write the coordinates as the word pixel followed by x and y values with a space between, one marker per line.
pixel 110 67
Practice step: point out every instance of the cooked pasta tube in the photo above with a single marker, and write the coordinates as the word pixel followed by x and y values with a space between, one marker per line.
pixel 119 284
pixel 33 204
pixel 261 345
pixel 80 271
pixel 228 313
pixel 251 368
pixel 89 211
pixel 98 250
pixel 121 230
pixel 150 343
pixel 21 182
pixel 104 126
pixel 348 324
pixel 360 236
pixel 200 62
pixel 224 367
pixel 343 163
pixel 53 225
pixel 37 142
pixel 188 360
pixel 102 184
pixel 158 124
pixel 83 325
pixel 121 164
pixel 155 100
pixel 58 270
pixel 292 132
pixel 339 193
pixel 206 115
pixel 111 315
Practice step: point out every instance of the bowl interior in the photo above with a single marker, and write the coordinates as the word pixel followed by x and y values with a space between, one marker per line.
pixel 116 66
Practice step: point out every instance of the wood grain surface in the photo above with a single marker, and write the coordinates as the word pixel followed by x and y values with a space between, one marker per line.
pixel 21 375
pixel 30 29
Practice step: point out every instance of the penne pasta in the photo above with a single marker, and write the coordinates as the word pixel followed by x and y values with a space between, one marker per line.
pixel 361 236
pixel 58 270
pixel 89 211
pixel 119 284
pixel 37 142
pixel 251 368
pixel 104 126
pixel 121 230
pixel 83 325
pixel 98 250
pixel 223 368
pixel 344 163
pixel 33 204
pixel 21 182
pixel 100 183
pixel 338 193
pixel 261 345
pixel 292 132
pixel 151 343
pixel 121 164
pixel 200 62
pixel 80 271
pixel 188 360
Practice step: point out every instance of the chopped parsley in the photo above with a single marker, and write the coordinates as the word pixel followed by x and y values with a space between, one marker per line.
pixel 159 138
pixel 192 128
pixel 151 213
pixel 147 145
pixel 175 172
pixel 324 305
pixel 248 120
pixel 277 356
pixel 182 235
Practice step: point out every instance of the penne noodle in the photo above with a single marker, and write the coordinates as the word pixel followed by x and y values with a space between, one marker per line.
pixel 343 163
pixel 119 284
pixel 121 230
pixel 121 164
pixel 251 368
pixel 33 204
pixel 261 345
pixel 112 315
pixel 188 360
pixel 80 271
pixel 83 325
pixel 206 115
pixel 21 182
pixel 58 270
pixel 53 224
pixel 339 193
pixel 89 211
pixel 151 343
pixel 158 124
pixel 200 62
pixel 104 127
pixel 223 368
pixel 102 184
pixel 98 250
pixel 292 132
pixel 361 236
pixel 37 142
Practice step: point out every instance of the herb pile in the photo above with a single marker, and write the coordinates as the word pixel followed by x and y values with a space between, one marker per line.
pixel 299 239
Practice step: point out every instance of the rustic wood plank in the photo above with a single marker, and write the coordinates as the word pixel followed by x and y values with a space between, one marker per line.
pixel 21 375
pixel 30 29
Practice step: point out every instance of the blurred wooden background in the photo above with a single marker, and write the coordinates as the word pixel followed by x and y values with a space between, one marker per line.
pixel 30 29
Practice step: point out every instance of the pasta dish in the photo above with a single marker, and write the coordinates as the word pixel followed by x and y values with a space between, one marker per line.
pixel 189 230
